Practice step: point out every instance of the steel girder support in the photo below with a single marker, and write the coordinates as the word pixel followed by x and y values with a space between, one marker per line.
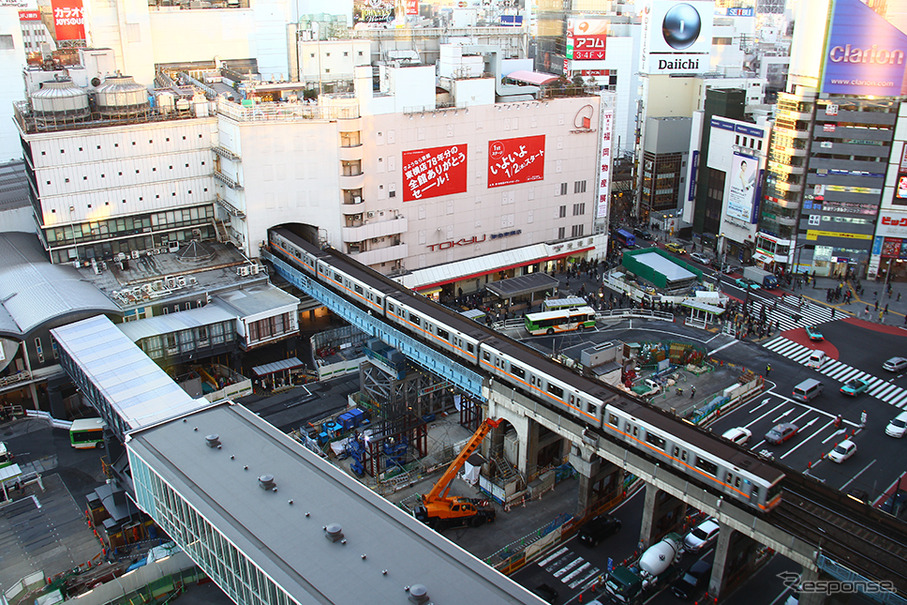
pixel 433 361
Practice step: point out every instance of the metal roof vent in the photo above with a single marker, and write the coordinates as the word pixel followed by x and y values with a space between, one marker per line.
pixel 418 593
pixel 213 440
pixel 333 532
pixel 267 482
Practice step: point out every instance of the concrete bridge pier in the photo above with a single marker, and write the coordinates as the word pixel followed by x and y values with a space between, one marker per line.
pixel 734 553
pixel 663 513
pixel 599 480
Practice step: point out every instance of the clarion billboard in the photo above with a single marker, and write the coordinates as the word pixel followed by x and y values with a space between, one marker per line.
pixel 513 161
pixel 434 172
pixel 864 52
pixel 677 37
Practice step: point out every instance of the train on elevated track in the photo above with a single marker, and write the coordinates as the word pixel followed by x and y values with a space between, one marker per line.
pixel 706 459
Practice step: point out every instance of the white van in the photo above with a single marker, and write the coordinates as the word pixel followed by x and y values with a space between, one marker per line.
pixel 807 390
pixel 898 426
pixel 816 359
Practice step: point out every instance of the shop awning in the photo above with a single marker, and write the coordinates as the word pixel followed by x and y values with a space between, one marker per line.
pixel 522 285
pixel 277 366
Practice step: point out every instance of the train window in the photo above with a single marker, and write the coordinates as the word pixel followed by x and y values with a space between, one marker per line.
pixel 357 288
pixel 592 409
pixel 517 371
pixel 655 440
pixel 729 478
pixel 470 348
pixel 737 482
pixel 415 319
pixel 486 356
pixel 709 467
pixel 532 380
pixel 338 277
pixel 755 492
pixel 443 333
pixel 636 431
pixel 676 451
pixel 555 390
pixel 390 307
pixel 612 419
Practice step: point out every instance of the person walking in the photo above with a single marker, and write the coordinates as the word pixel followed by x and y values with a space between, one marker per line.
pixel 692 391
pixel 832 312
pixel 768 369
pixel 863 418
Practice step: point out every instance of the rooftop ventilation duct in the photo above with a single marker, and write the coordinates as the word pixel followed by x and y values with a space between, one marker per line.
pixel 213 440
pixel 418 594
pixel 333 532
pixel 267 482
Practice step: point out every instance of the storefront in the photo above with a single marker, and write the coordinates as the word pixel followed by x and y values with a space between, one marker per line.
pixel 889 246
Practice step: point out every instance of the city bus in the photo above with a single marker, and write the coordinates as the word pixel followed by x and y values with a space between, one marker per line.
pixel 626 239
pixel 87 433
pixel 562 320
pixel 6 458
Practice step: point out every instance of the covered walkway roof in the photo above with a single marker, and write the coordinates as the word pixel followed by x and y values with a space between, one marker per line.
pixel 522 285
pixel 126 387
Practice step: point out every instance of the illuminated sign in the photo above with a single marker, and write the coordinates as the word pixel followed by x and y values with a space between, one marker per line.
pixel 514 161
pixel 864 52
pixel 586 39
pixel 677 37
pixel 69 23
pixel 475 239
pixel 604 163
pixel 29 16
pixel 412 7
pixel 582 121
pixel 742 190
pixel 373 11
pixel 892 224
pixel 434 172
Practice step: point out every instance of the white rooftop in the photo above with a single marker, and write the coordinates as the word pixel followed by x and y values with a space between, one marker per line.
pixel 666 267
pixel 137 389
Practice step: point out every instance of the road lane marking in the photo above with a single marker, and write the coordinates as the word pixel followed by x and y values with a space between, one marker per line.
pixel 854 478
pixel 786 412
pixel 766 414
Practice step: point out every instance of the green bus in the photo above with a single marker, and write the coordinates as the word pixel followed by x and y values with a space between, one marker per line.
pixel 87 433
pixel 6 458
pixel 562 320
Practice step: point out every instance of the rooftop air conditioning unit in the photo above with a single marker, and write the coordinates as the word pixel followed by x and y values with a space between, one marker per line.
pixel 135 254
pixel 255 269
pixel 173 246
pixel 357 199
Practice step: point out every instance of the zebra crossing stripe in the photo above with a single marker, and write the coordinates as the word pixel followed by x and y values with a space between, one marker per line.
pixel 891 395
pixel 899 399
pixel 885 391
pixel 585 579
pixel 832 368
pixel 572 575
pixel 567 567
pixel 848 374
pixel 553 556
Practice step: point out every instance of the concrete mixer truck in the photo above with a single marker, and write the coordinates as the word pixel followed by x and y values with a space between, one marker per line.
pixel 628 584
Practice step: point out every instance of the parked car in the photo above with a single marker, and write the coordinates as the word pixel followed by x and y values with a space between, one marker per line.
pixel 738 435
pixel 843 451
pixel 693 582
pixel 896 364
pixel 813 334
pixel 744 283
pixel 781 433
pixel 855 386
pixel 699 257
pixel 675 248
pixel 598 528
pixel 701 536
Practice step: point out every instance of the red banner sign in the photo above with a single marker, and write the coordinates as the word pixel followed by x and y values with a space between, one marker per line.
pixel 412 7
pixel 512 161
pixel 434 172
pixel 69 23
pixel 29 16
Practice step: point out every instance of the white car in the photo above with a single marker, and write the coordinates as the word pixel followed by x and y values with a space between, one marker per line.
pixel 701 536
pixel 699 257
pixel 738 435
pixel 898 426
pixel 816 359
pixel 843 451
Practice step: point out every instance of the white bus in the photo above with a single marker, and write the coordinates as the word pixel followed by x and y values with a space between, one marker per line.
pixel 87 433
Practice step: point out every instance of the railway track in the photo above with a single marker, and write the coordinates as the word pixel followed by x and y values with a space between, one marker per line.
pixel 855 536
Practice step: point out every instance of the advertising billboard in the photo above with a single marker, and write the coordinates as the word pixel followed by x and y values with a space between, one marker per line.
pixel 604 169
pixel 742 190
pixel 900 187
pixel 412 7
pixel 434 172
pixel 373 11
pixel 586 39
pixel 677 37
pixel 29 16
pixel 864 52
pixel 69 23
pixel 514 161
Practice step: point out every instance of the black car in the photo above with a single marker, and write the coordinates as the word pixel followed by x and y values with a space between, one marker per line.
pixel 694 581
pixel 598 528
pixel 642 233
pixel 546 592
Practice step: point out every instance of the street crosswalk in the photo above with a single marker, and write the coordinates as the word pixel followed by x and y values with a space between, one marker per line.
pixel 789 307
pixel 571 569
pixel 841 372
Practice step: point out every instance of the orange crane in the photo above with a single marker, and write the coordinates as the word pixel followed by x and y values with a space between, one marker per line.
pixel 439 509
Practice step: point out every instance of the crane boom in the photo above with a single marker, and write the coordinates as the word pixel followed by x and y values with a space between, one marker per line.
pixel 442 486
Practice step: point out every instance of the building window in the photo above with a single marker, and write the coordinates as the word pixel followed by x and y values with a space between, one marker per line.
pixel 576 231
pixel 561 232
pixel 562 212
pixel 579 187
pixel 579 209
pixel 563 188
